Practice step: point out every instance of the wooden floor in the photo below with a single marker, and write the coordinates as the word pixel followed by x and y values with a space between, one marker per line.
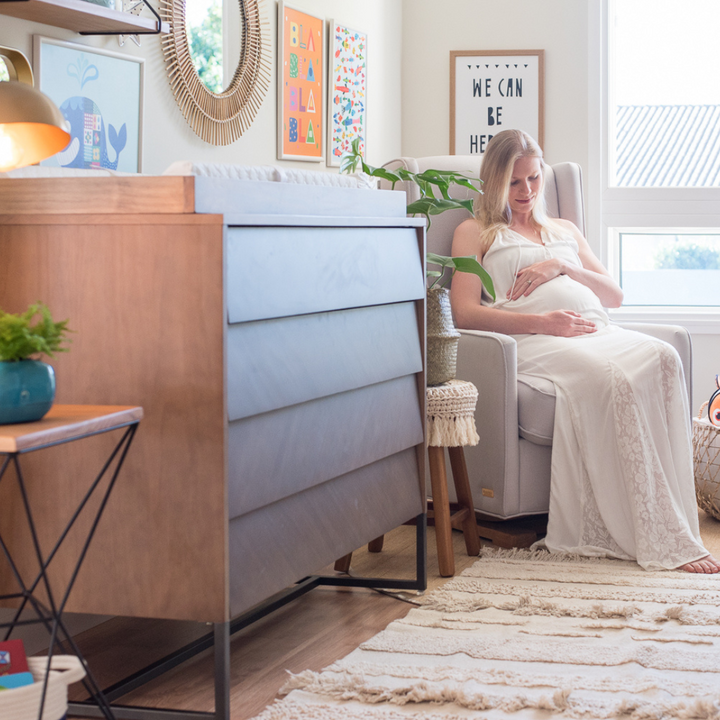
pixel 309 633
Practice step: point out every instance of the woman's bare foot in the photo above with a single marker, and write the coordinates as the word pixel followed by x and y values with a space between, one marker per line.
pixel 708 565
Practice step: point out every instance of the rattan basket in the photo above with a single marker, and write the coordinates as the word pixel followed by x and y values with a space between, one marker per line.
pixel 442 338
pixel 706 463
pixel 23 703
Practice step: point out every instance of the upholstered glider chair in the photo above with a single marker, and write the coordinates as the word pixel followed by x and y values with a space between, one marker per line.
pixel 510 468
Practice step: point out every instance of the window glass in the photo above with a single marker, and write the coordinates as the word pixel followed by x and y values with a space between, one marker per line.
pixel 204 25
pixel 669 267
pixel 665 93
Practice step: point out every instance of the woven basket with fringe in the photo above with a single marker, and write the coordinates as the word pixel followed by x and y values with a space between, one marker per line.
pixel 706 463
pixel 442 338
pixel 23 703
pixel 451 414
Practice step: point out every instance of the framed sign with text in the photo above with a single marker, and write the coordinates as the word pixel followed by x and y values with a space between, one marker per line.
pixel 301 77
pixel 494 90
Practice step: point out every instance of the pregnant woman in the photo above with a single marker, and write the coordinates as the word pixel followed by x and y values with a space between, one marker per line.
pixel 622 477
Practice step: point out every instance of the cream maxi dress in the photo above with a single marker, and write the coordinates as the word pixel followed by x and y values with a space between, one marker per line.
pixel 621 481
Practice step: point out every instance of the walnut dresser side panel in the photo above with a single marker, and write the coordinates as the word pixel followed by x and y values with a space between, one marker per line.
pixel 144 297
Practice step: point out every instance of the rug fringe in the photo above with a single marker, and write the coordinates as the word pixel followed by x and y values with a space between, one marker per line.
pixel 539 555
pixel 524 678
pixel 347 686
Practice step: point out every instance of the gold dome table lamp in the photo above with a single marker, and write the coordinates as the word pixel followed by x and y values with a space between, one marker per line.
pixel 32 127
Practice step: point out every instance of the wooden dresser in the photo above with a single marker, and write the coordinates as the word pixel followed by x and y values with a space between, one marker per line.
pixel 273 334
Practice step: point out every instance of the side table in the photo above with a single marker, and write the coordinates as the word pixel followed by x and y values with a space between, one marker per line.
pixel 451 424
pixel 62 424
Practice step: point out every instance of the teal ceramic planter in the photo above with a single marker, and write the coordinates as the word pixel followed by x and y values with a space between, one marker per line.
pixel 27 390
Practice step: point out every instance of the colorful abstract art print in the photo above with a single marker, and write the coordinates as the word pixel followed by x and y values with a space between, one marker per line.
pixel 347 95
pixel 100 93
pixel 301 73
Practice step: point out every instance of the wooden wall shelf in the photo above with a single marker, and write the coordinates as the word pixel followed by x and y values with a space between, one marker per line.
pixel 83 17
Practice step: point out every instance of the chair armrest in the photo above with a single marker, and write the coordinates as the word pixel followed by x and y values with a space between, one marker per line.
pixel 674 335
pixel 489 361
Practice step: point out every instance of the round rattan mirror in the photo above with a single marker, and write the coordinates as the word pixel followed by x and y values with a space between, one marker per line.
pixel 219 118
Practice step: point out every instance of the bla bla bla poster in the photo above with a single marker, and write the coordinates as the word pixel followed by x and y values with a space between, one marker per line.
pixel 303 85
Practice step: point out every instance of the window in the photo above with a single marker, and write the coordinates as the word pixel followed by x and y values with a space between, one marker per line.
pixel 665 92
pixel 661 196
pixel 655 265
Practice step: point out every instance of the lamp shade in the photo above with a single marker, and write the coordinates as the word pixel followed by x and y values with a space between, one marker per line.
pixel 32 127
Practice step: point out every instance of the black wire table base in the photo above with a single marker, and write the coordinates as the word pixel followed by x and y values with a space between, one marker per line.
pixel 219 639
pixel 49 613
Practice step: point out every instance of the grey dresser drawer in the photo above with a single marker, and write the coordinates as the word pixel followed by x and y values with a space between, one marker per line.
pixel 281 543
pixel 280 271
pixel 285 361
pixel 278 454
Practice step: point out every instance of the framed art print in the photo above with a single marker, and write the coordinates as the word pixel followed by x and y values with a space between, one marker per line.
pixel 301 73
pixel 494 90
pixel 347 91
pixel 100 93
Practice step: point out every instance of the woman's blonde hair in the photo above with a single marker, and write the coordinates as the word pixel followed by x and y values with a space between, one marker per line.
pixel 491 207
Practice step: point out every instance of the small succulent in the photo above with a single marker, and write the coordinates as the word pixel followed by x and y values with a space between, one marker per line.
pixel 19 339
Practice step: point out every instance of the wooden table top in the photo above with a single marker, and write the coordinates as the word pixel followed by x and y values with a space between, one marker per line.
pixel 64 423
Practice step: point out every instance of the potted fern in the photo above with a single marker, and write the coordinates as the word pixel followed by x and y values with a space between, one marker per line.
pixel 27 386
pixel 442 335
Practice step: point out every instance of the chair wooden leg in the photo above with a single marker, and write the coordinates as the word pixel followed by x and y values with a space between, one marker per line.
pixel 376 545
pixel 464 496
pixel 441 505
pixel 343 564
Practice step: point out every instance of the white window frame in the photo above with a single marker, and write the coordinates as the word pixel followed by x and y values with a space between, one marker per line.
pixel 631 208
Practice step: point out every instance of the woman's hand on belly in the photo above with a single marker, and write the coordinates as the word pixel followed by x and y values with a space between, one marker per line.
pixel 566 323
pixel 533 276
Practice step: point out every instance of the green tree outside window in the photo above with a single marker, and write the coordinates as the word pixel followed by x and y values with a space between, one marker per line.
pixel 206 48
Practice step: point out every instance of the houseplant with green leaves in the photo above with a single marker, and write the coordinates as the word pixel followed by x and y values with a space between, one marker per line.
pixel 442 336
pixel 27 385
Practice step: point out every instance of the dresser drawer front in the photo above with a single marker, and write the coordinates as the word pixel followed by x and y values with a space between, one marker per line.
pixel 280 271
pixel 275 363
pixel 278 454
pixel 281 543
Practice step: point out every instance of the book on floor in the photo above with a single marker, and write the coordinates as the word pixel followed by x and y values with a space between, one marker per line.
pixel 12 658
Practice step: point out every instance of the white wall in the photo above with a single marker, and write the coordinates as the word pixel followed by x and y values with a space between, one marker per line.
pixel 431 30
pixel 167 137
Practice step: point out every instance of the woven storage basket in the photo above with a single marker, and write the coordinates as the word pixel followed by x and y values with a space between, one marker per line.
pixel 442 338
pixel 706 461
pixel 23 703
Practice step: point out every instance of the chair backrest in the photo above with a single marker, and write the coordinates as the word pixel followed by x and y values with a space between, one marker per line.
pixel 563 193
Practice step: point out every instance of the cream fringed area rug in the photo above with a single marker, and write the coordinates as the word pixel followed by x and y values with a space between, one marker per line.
pixel 533 635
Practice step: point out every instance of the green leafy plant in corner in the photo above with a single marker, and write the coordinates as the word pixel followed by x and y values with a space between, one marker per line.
pixel 429 204
pixel 462 263
pixel 20 337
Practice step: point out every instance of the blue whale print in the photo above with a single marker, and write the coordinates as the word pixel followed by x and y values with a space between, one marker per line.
pixel 88 146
